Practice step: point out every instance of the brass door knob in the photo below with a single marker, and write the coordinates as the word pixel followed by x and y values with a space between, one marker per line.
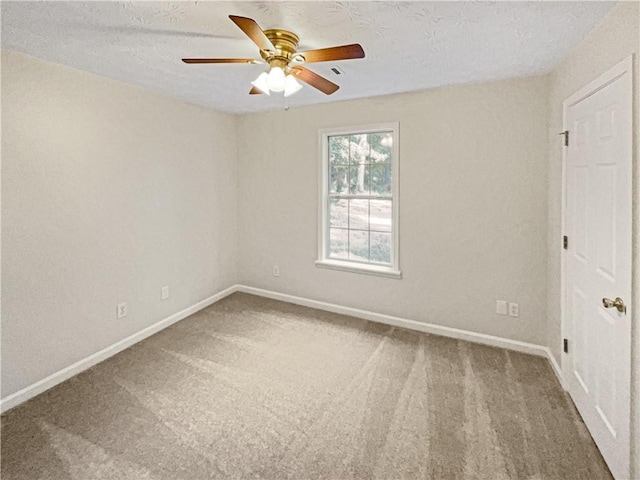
pixel 618 303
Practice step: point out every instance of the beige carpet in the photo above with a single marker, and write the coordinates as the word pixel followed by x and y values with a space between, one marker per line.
pixel 253 388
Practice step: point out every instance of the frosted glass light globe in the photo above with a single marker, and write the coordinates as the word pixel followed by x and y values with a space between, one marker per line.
pixel 261 83
pixel 291 85
pixel 276 79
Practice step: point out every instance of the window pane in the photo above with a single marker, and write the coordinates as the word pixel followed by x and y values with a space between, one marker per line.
pixel 381 147
pixel 359 214
pixel 339 180
pixel 380 215
pixel 359 246
pixel 381 179
pixel 359 149
pixel 339 150
pixel 338 243
pixel 339 212
pixel 381 247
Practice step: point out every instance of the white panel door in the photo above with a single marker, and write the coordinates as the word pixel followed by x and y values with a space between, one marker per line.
pixel 598 193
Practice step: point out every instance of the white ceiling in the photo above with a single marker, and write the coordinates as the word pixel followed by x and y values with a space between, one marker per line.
pixel 409 45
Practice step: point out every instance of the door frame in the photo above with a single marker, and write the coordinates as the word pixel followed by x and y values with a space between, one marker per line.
pixel 624 66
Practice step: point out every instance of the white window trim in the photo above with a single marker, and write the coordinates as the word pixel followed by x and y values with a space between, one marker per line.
pixel 323 261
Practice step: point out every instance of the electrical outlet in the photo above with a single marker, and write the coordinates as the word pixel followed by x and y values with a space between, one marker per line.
pixel 513 309
pixel 276 271
pixel 164 293
pixel 122 310
pixel 501 307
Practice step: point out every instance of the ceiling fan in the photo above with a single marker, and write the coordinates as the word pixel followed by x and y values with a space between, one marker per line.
pixel 278 48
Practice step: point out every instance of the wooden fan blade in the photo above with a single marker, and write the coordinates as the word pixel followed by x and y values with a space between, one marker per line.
pixel 253 31
pixel 315 80
pixel 220 60
pixel 255 91
pixel 344 52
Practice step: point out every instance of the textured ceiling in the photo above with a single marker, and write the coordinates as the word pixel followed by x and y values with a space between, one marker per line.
pixel 409 45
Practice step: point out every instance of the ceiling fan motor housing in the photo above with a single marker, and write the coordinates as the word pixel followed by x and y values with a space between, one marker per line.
pixel 286 44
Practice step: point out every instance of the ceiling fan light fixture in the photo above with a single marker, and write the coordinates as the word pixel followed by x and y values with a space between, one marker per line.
pixel 279 48
pixel 276 80
pixel 261 83
pixel 291 85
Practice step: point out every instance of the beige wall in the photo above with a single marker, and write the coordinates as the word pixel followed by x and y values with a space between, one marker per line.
pixel 614 39
pixel 472 206
pixel 109 192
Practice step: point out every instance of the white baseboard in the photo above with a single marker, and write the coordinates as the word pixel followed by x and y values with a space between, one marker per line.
pixel 482 338
pixel 555 367
pixel 60 376
pixel 402 322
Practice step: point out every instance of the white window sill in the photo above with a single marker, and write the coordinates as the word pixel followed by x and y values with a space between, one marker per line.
pixel 359 268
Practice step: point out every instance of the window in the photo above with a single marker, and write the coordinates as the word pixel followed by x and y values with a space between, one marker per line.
pixel 359 200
